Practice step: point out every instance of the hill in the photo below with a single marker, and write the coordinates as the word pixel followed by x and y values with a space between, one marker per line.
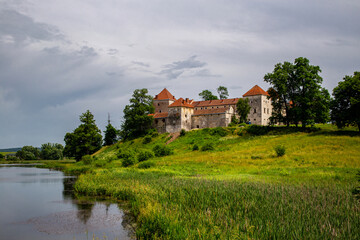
pixel 10 150
pixel 235 186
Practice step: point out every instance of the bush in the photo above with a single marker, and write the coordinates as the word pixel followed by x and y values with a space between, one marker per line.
pixel 162 150
pixel 147 139
pixel 257 130
pixel 146 165
pixel 125 154
pixel 182 132
pixel 1 156
pixel 207 147
pixel 195 147
pixel 128 161
pixel 144 155
pixel 218 131
pixel 280 150
pixel 242 125
pixel 87 159
pixel 11 158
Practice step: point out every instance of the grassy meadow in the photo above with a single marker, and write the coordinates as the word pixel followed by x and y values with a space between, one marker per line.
pixel 240 189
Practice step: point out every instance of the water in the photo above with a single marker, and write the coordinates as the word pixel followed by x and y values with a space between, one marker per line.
pixel 40 204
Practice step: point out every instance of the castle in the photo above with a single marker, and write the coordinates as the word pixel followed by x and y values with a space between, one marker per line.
pixel 172 115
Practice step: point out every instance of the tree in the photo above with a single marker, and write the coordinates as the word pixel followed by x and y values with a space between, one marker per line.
pixel 52 151
pixel 296 93
pixel 28 153
pixel 137 121
pixel 207 95
pixel 85 140
pixel 243 109
pixel 223 92
pixel 110 135
pixel 345 108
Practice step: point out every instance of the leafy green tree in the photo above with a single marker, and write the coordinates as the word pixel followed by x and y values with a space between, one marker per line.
pixel 110 135
pixel 52 151
pixel 243 109
pixel 2 156
pixel 345 108
pixel 296 93
pixel 223 92
pixel 28 153
pixel 85 140
pixel 207 95
pixel 137 121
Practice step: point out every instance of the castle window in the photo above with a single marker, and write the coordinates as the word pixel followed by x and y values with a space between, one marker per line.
pixel 197 126
pixel 267 111
pixel 186 115
pixel 163 120
pixel 158 104
pixel 254 110
pixel 254 119
pixel 201 108
pixel 264 110
pixel 159 111
pixel 156 121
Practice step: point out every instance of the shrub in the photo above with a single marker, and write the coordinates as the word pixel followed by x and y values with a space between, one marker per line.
pixel 87 159
pixel 207 147
pixel 257 130
pixel 11 158
pixel 146 165
pixel 128 161
pixel 242 125
pixel 144 155
pixel 162 150
pixel 1 156
pixel 125 154
pixel 182 132
pixel 280 150
pixel 100 163
pixel 218 131
pixel 195 147
pixel 147 139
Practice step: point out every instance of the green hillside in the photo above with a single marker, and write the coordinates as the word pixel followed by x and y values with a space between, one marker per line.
pixel 239 189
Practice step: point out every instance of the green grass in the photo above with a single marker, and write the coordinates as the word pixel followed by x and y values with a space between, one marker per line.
pixel 239 190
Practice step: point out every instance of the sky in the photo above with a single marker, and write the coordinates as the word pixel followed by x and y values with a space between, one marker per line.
pixel 61 58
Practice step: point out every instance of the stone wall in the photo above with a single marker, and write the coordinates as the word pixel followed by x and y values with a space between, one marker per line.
pixel 162 105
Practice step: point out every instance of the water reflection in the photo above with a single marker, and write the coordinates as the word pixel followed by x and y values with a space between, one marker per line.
pixel 41 204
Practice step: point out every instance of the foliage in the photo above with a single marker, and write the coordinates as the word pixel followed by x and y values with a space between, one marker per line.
pixel 243 109
pixel 137 121
pixel 296 91
pixel 219 131
pixel 128 161
pixel 2 156
pixel 146 165
pixel 182 132
pixel 257 130
pixel 207 147
pixel 195 147
pixel 147 139
pixel 223 92
pixel 162 150
pixel 52 151
pixel 125 154
pixel 280 150
pixel 144 155
pixel 207 95
pixel 28 153
pixel 111 135
pixel 234 120
pixel 87 159
pixel 86 138
pixel 345 108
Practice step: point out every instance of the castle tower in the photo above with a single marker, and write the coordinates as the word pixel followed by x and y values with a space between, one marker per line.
pixel 179 116
pixel 261 107
pixel 162 101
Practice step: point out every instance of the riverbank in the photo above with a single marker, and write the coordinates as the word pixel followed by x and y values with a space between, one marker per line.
pixel 240 189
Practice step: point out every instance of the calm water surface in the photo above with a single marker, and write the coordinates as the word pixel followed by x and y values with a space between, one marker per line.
pixel 39 204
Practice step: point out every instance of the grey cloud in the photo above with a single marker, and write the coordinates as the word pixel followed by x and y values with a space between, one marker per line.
pixel 142 64
pixel 21 28
pixel 112 52
pixel 175 69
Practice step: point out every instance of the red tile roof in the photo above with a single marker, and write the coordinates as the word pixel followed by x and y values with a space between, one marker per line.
pixel 256 90
pixel 182 103
pixel 164 94
pixel 159 115
pixel 210 111
pixel 219 102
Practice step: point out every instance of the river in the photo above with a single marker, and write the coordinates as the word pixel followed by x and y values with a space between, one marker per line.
pixel 39 204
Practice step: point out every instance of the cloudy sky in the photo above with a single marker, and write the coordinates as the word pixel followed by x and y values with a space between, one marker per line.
pixel 60 58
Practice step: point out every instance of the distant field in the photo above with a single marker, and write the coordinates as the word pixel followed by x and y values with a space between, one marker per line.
pixel 239 190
